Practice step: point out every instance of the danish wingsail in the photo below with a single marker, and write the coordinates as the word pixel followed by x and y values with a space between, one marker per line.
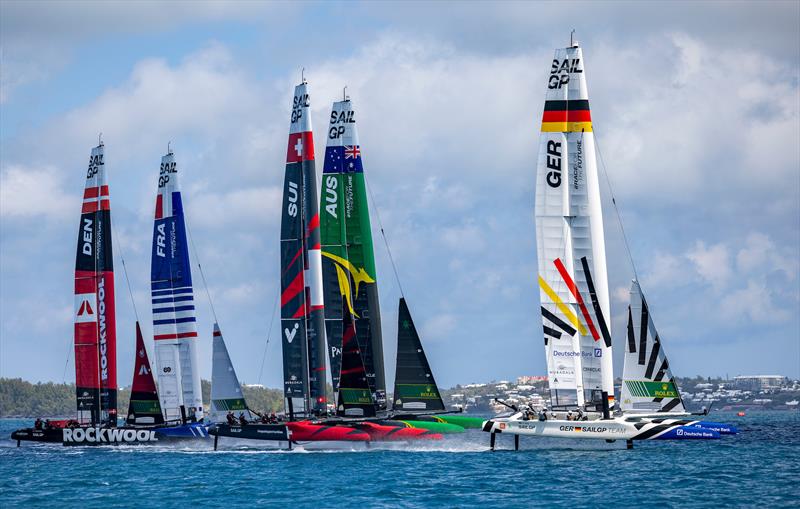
pixel 571 247
pixel 226 391
pixel 95 324
pixel 144 406
pixel 302 318
pixel 174 322
pixel 647 381
pixel 348 263
pixel 414 386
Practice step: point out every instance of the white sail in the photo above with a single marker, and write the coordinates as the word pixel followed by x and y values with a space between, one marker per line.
pixel 572 275
pixel 226 391
pixel 647 382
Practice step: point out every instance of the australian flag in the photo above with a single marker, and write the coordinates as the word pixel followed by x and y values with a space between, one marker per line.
pixel 346 159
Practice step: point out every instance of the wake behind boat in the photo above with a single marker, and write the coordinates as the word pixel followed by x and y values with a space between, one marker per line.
pixel 575 309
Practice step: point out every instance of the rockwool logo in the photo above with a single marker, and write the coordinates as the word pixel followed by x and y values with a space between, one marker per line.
pixel 107 436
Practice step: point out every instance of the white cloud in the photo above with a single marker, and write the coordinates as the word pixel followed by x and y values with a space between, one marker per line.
pixel 712 263
pixel 34 191
pixel 753 304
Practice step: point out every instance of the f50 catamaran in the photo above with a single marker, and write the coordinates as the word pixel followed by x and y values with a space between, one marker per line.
pixel 573 284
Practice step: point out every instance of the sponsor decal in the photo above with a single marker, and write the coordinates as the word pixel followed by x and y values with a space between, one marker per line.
pixel 571 353
pixel 291 333
pixel 298 104
pixel 592 429
pixel 107 435
pixel 338 121
pixel 560 71
pixel 502 425
pixel 598 352
pixel 95 161
pixel 101 309
pixel 650 389
pixel 167 169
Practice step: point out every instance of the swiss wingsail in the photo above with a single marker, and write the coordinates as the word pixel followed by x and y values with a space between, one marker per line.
pixel 174 322
pixel 144 406
pixel 414 386
pixel 348 262
pixel 647 381
pixel 354 393
pixel 226 391
pixel 572 275
pixel 302 314
pixel 94 316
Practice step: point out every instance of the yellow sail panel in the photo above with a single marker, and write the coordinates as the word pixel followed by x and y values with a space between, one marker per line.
pixel 573 319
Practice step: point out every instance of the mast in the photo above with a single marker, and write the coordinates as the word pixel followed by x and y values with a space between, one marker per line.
pixel 95 334
pixel 348 263
pixel 573 279
pixel 144 406
pixel 647 381
pixel 174 321
pixel 302 310
pixel 414 385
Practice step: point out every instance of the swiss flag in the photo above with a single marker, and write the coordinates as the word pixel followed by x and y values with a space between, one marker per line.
pixel 301 147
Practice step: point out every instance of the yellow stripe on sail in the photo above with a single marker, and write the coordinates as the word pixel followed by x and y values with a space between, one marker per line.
pixel 573 319
pixel 566 127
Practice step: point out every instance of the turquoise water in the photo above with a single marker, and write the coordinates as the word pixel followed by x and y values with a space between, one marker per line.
pixel 760 466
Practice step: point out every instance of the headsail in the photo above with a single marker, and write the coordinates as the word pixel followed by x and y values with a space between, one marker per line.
pixel 302 315
pixel 348 262
pixel 95 323
pixel 647 381
pixel 226 391
pixel 354 395
pixel 174 322
pixel 144 406
pixel 572 276
pixel 414 385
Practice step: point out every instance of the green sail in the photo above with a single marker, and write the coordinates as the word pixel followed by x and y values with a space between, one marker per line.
pixel 348 260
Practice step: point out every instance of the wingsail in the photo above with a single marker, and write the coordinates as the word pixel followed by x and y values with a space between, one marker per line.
pixel 95 335
pixel 226 391
pixel 144 406
pixel 354 395
pixel 572 275
pixel 174 321
pixel 647 381
pixel 414 385
pixel 348 261
pixel 302 310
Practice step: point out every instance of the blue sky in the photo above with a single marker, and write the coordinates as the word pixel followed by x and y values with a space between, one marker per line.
pixel 695 107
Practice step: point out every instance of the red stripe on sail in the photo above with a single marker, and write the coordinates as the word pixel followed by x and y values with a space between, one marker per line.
pixel 291 291
pixel 575 293
pixel 567 116
pixel 296 256
pixel 353 370
pixel 313 224
pixel 175 336
pixel 300 148
pixel 159 206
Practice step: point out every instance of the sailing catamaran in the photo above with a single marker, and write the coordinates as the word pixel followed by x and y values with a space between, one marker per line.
pixel 573 285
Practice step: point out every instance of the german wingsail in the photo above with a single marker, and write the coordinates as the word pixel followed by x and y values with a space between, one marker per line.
pixel 647 382
pixel 174 322
pixel 572 275
pixel 414 385
pixel 144 406
pixel 302 315
pixel 95 324
pixel 348 262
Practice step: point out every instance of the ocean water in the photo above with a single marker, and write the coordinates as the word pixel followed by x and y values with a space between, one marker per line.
pixel 758 467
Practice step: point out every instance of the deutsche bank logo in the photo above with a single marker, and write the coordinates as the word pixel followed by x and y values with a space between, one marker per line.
pixel 598 352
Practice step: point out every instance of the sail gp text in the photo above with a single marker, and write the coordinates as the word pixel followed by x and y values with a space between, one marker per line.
pixel 107 436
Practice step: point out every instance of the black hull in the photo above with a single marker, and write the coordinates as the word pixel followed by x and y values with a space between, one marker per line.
pixel 91 436
pixel 273 432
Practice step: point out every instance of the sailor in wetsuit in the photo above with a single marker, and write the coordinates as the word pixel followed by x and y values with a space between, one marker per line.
pixel 242 419
pixel 231 419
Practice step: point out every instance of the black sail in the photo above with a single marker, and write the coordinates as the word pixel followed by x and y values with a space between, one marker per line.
pixel 354 397
pixel 414 385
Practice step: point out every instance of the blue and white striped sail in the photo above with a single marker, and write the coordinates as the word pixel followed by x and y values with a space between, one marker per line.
pixel 174 321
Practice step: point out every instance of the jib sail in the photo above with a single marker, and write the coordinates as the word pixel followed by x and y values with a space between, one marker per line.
pixel 572 275
pixel 302 314
pixel 174 321
pixel 354 395
pixel 144 406
pixel 414 385
pixel 95 324
pixel 348 263
pixel 647 381
pixel 226 391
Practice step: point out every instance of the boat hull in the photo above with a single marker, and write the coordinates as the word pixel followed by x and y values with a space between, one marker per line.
pixel 274 432
pixel 606 429
pixel 124 435
pixel 434 426
pixel 383 433
pixel 307 431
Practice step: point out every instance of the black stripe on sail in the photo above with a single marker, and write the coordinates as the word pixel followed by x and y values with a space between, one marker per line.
pixel 631 335
pixel 572 105
pixel 643 333
pixel 558 321
pixel 672 404
pixel 651 365
pixel 662 370
pixel 655 430
pixel 595 304
pixel 549 331
pixel 658 400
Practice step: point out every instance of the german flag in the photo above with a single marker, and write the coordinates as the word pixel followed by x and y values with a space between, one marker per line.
pixel 567 116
